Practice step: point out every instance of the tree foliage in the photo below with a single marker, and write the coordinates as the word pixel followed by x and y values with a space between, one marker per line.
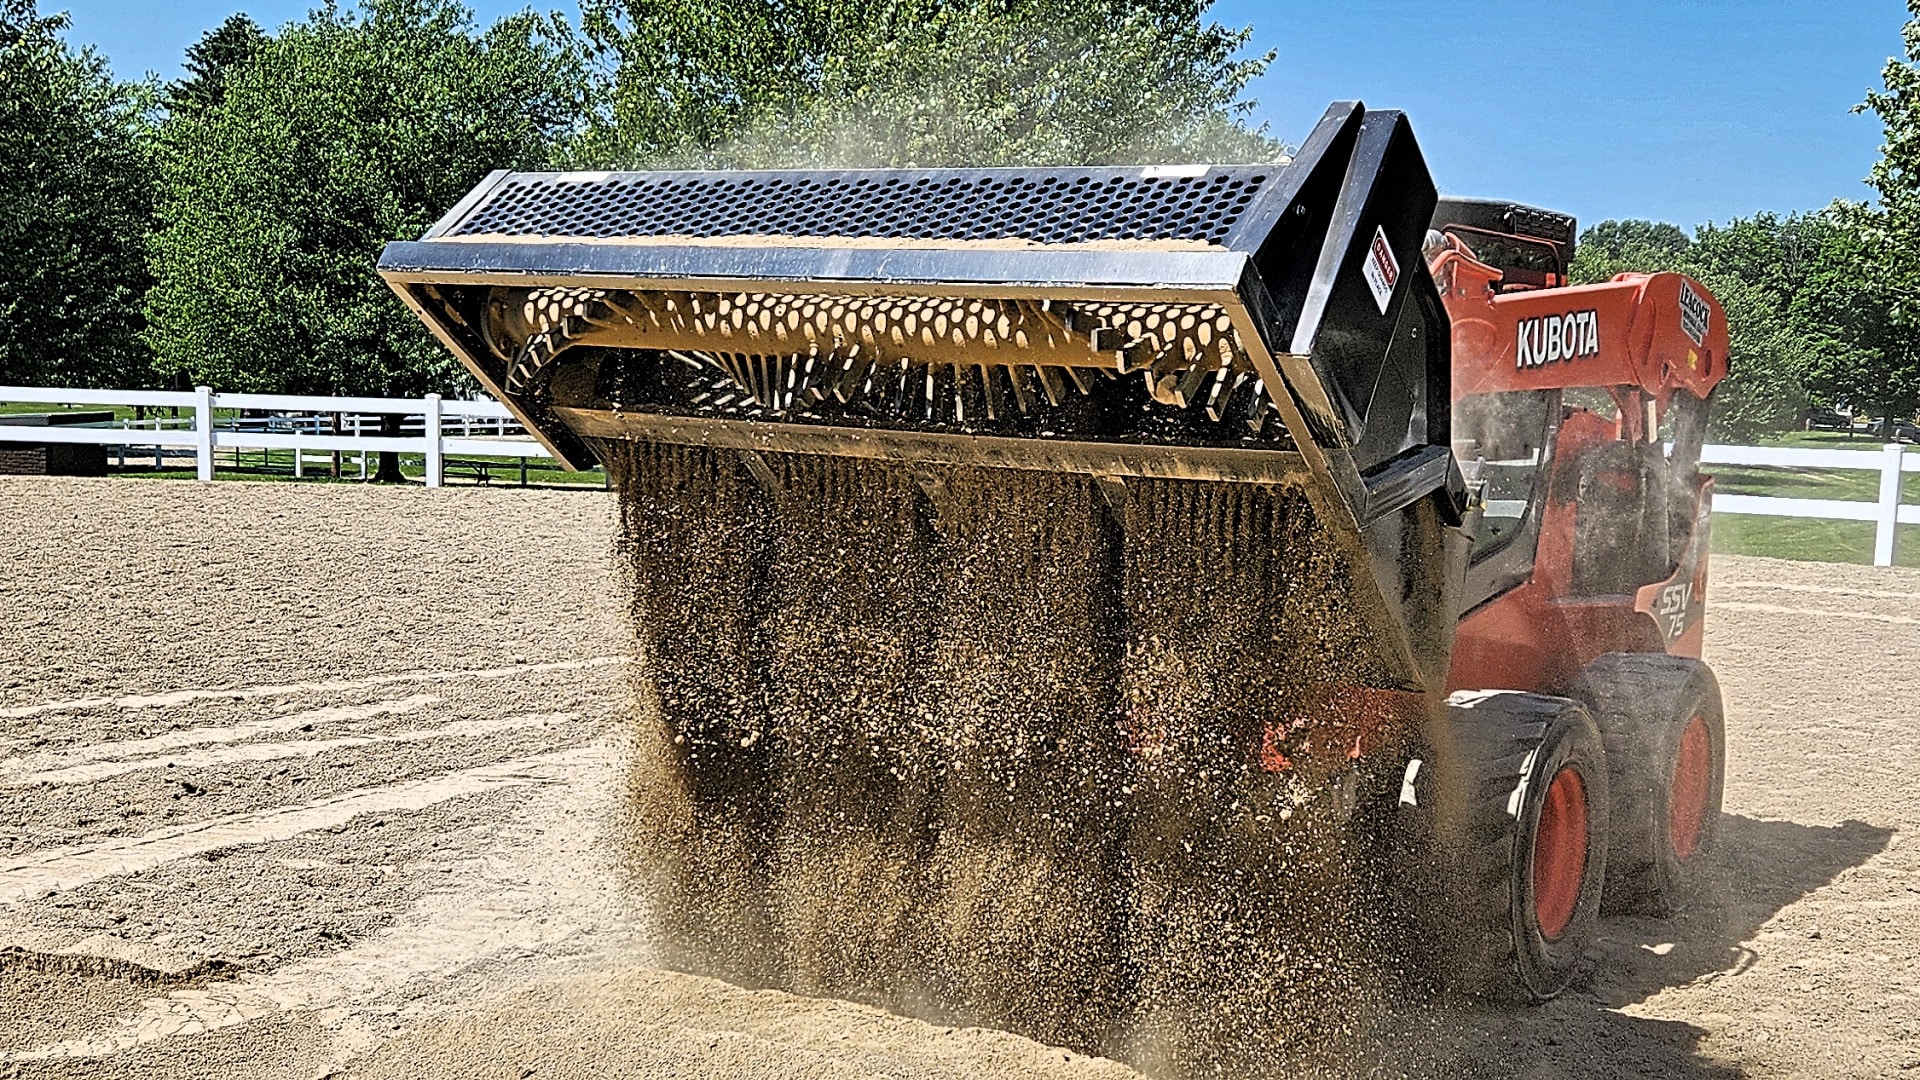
pixel 227 47
pixel 1896 175
pixel 1809 309
pixel 337 134
pixel 917 83
pixel 1616 247
pixel 74 205
pixel 1875 309
pixel 1805 314
pixel 1862 345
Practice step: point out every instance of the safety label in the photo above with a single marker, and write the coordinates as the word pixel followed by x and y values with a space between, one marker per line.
pixel 1694 314
pixel 1381 269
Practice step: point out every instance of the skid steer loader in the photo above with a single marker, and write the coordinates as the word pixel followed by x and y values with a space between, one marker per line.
pixel 1124 604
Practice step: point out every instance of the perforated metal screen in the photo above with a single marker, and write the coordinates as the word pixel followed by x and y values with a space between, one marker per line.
pixel 1041 206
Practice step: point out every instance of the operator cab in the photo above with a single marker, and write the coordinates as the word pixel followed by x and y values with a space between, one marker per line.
pixel 1597 448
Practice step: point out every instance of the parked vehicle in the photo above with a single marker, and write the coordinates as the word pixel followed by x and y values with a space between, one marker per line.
pixel 1895 430
pixel 1823 418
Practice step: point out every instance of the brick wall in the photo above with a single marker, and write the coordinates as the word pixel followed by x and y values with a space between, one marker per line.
pixel 17 460
pixel 60 459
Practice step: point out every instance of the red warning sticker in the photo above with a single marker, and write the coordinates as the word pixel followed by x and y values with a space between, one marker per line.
pixel 1380 269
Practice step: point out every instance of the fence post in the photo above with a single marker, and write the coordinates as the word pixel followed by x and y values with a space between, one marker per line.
pixel 203 432
pixel 299 455
pixel 433 440
pixel 1886 530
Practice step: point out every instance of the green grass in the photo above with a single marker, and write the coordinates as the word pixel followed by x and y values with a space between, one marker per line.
pixel 1822 440
pixel 1848 484
pixel 1809 539
pixel 11 408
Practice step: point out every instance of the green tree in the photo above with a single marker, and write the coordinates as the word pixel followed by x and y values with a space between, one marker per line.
pixel 225 48
pixel 1764 392
pixel 75 202
pixel 1743 263
pixel 1879 300
pixel 1633 246
pixel 1863 352
pixel 338 134
pixel 917 83
pixel 1755 267
pixel 1812 309
pixel 1896 176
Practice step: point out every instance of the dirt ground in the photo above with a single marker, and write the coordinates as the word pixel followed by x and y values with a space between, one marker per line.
pixel 306 781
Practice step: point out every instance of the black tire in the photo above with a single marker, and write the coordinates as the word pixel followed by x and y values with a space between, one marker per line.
pixel 1519 930
pixel 1646 703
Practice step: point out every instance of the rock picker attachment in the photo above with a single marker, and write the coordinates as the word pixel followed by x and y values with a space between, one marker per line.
pixel 1245 324
pixel 1033 569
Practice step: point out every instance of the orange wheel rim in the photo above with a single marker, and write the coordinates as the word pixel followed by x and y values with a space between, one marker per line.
pixel 1692 776
pixel 1560 853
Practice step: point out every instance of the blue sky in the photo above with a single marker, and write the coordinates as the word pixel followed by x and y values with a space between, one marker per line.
pixel 1677 110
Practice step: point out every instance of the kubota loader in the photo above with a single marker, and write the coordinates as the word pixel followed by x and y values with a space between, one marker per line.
pixel 1125 604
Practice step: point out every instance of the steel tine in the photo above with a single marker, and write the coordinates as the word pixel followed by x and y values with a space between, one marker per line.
pixel 1052 383
pixel 990 385
pixel 1022 393
pixel 1190 385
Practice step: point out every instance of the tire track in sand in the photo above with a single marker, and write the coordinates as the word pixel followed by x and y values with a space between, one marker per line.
pixel 44 872
pixel 127 749
pixel 1816 613
pixel 248 693
pixel 278 751
pixel 1817 590
pixel 552 885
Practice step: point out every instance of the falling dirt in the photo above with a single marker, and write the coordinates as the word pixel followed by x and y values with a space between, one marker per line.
pixel 994 747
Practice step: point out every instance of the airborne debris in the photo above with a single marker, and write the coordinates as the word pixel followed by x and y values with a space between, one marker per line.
pixel 987 761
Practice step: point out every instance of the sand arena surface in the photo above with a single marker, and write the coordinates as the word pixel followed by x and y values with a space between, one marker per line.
pixel 300 781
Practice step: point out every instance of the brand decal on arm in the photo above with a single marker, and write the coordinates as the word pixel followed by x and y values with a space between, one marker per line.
pixel 1695 315
pixel 1551 339
pixel 1380 269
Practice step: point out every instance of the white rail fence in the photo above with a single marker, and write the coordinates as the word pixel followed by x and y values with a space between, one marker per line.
pixel 1887 512
pixel 437 441
pixel 446 427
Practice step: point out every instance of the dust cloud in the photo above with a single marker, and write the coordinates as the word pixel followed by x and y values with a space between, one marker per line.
pixel 995 747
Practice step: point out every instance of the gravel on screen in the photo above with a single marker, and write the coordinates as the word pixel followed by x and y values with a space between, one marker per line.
pixel 327 780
